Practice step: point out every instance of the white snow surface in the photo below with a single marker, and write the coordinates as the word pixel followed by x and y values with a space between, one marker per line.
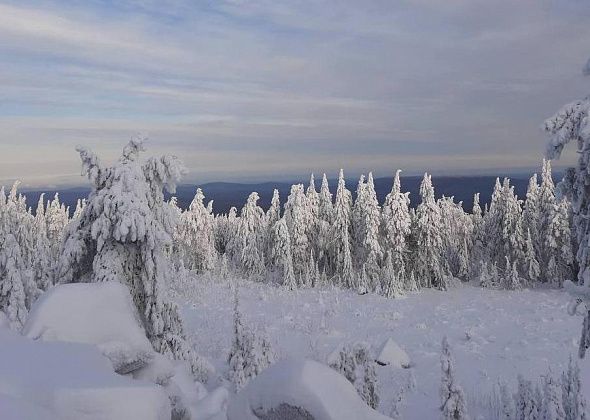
pixel 494 334
pixel 306 384
pixel 102 314
pixel 393 355
pixel 70 381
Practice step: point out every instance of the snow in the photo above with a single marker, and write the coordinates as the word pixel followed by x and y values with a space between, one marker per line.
pixel 306 384
pixel 393 355
pixel 494 334
pixel 94 313
pixel 57 380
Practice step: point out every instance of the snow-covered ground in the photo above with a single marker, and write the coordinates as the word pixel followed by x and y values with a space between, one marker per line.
pixel 494 334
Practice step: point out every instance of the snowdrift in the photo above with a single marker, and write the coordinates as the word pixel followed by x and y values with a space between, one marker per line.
pixel 298 389
pixel 93 313
pixel 393 355
pixel 57 380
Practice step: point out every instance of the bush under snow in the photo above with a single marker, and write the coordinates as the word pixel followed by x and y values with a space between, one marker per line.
pixel 393 355
pixel 57 380
pixel 299 389
pixel 93 313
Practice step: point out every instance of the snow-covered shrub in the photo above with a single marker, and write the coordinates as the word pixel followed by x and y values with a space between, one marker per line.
pixel 101 314
pixel 122 234
pixel 298 389
pixel 452 397
pixel 356 363
pixel 12 282
pixel 551 398
pixel 250 354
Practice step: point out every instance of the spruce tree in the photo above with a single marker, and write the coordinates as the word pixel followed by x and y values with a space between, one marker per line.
pixel 250 353
pixel 527 407
pixel 531 268
pixel 298 217
pixel 368 219
pixel 281 253
pixel 428 255
pixel 396 225
pixel 531 213
pixel 552 408
pixel 12 282
pixel 339 237
pixel 452 398
pixel 573 402
pixel 248 247
pixel 325 219
pixel 195 236
pixel 122 235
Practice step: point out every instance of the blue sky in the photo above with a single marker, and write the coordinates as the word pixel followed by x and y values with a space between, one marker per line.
pixel 262 90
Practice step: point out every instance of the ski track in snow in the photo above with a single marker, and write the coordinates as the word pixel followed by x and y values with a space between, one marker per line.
pixel 494 334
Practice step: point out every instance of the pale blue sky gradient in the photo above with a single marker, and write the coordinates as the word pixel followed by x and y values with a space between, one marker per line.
pixel 253 90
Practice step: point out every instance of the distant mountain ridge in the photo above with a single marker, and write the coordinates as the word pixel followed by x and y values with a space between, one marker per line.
pixel 228 194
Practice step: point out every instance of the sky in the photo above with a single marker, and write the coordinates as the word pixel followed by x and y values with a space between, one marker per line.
pixel 268 90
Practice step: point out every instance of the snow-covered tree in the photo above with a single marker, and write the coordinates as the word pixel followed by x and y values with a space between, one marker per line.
pixel 391 279
pixel 367 221
pixel 527 405
pixel 396 224
pixel 531 212
pixel 340 234
pixel 503 226
pixel 506 403
pixel 281 253
pixel 511 276
pixel 298 217
pixel 324 226
pixel 248 246
pixel 313 209
pixel 356 364
pixel 452 398
pixel 273 213
pixel 12 282
pixel 80 204
pixel 57 218
pixel 195 237
pixel 429 242
pixel 552 408
pixel 121 236
pixel 531 268
pixel 558 245
pixel 485 277
pixel 572 123
pixel 573 401
pixel 225 229
pixel 250 353
pixel 42 262
pixel 456 231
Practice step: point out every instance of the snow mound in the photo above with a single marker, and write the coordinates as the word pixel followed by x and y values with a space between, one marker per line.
pixel 393 355
pixel 57 380
pixel 93 313
pixel 298 389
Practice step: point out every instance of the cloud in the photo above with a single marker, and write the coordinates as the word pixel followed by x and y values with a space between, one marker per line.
pixel 268 87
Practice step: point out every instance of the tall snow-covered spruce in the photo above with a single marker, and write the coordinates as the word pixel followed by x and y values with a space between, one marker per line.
pixel 121 235
pixel 395 225
pixel 572 123
pixel 428 239
pixel 452 397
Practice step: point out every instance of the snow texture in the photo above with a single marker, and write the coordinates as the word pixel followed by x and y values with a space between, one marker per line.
pixel 95 313
pixel 70 381
pixel 300 389
pixel 393 355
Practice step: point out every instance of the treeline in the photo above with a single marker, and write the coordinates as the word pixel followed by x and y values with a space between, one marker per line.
pixel 315 239
pixel 318 239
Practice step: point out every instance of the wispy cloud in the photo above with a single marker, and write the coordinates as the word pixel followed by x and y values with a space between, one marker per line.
pixel 269 88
